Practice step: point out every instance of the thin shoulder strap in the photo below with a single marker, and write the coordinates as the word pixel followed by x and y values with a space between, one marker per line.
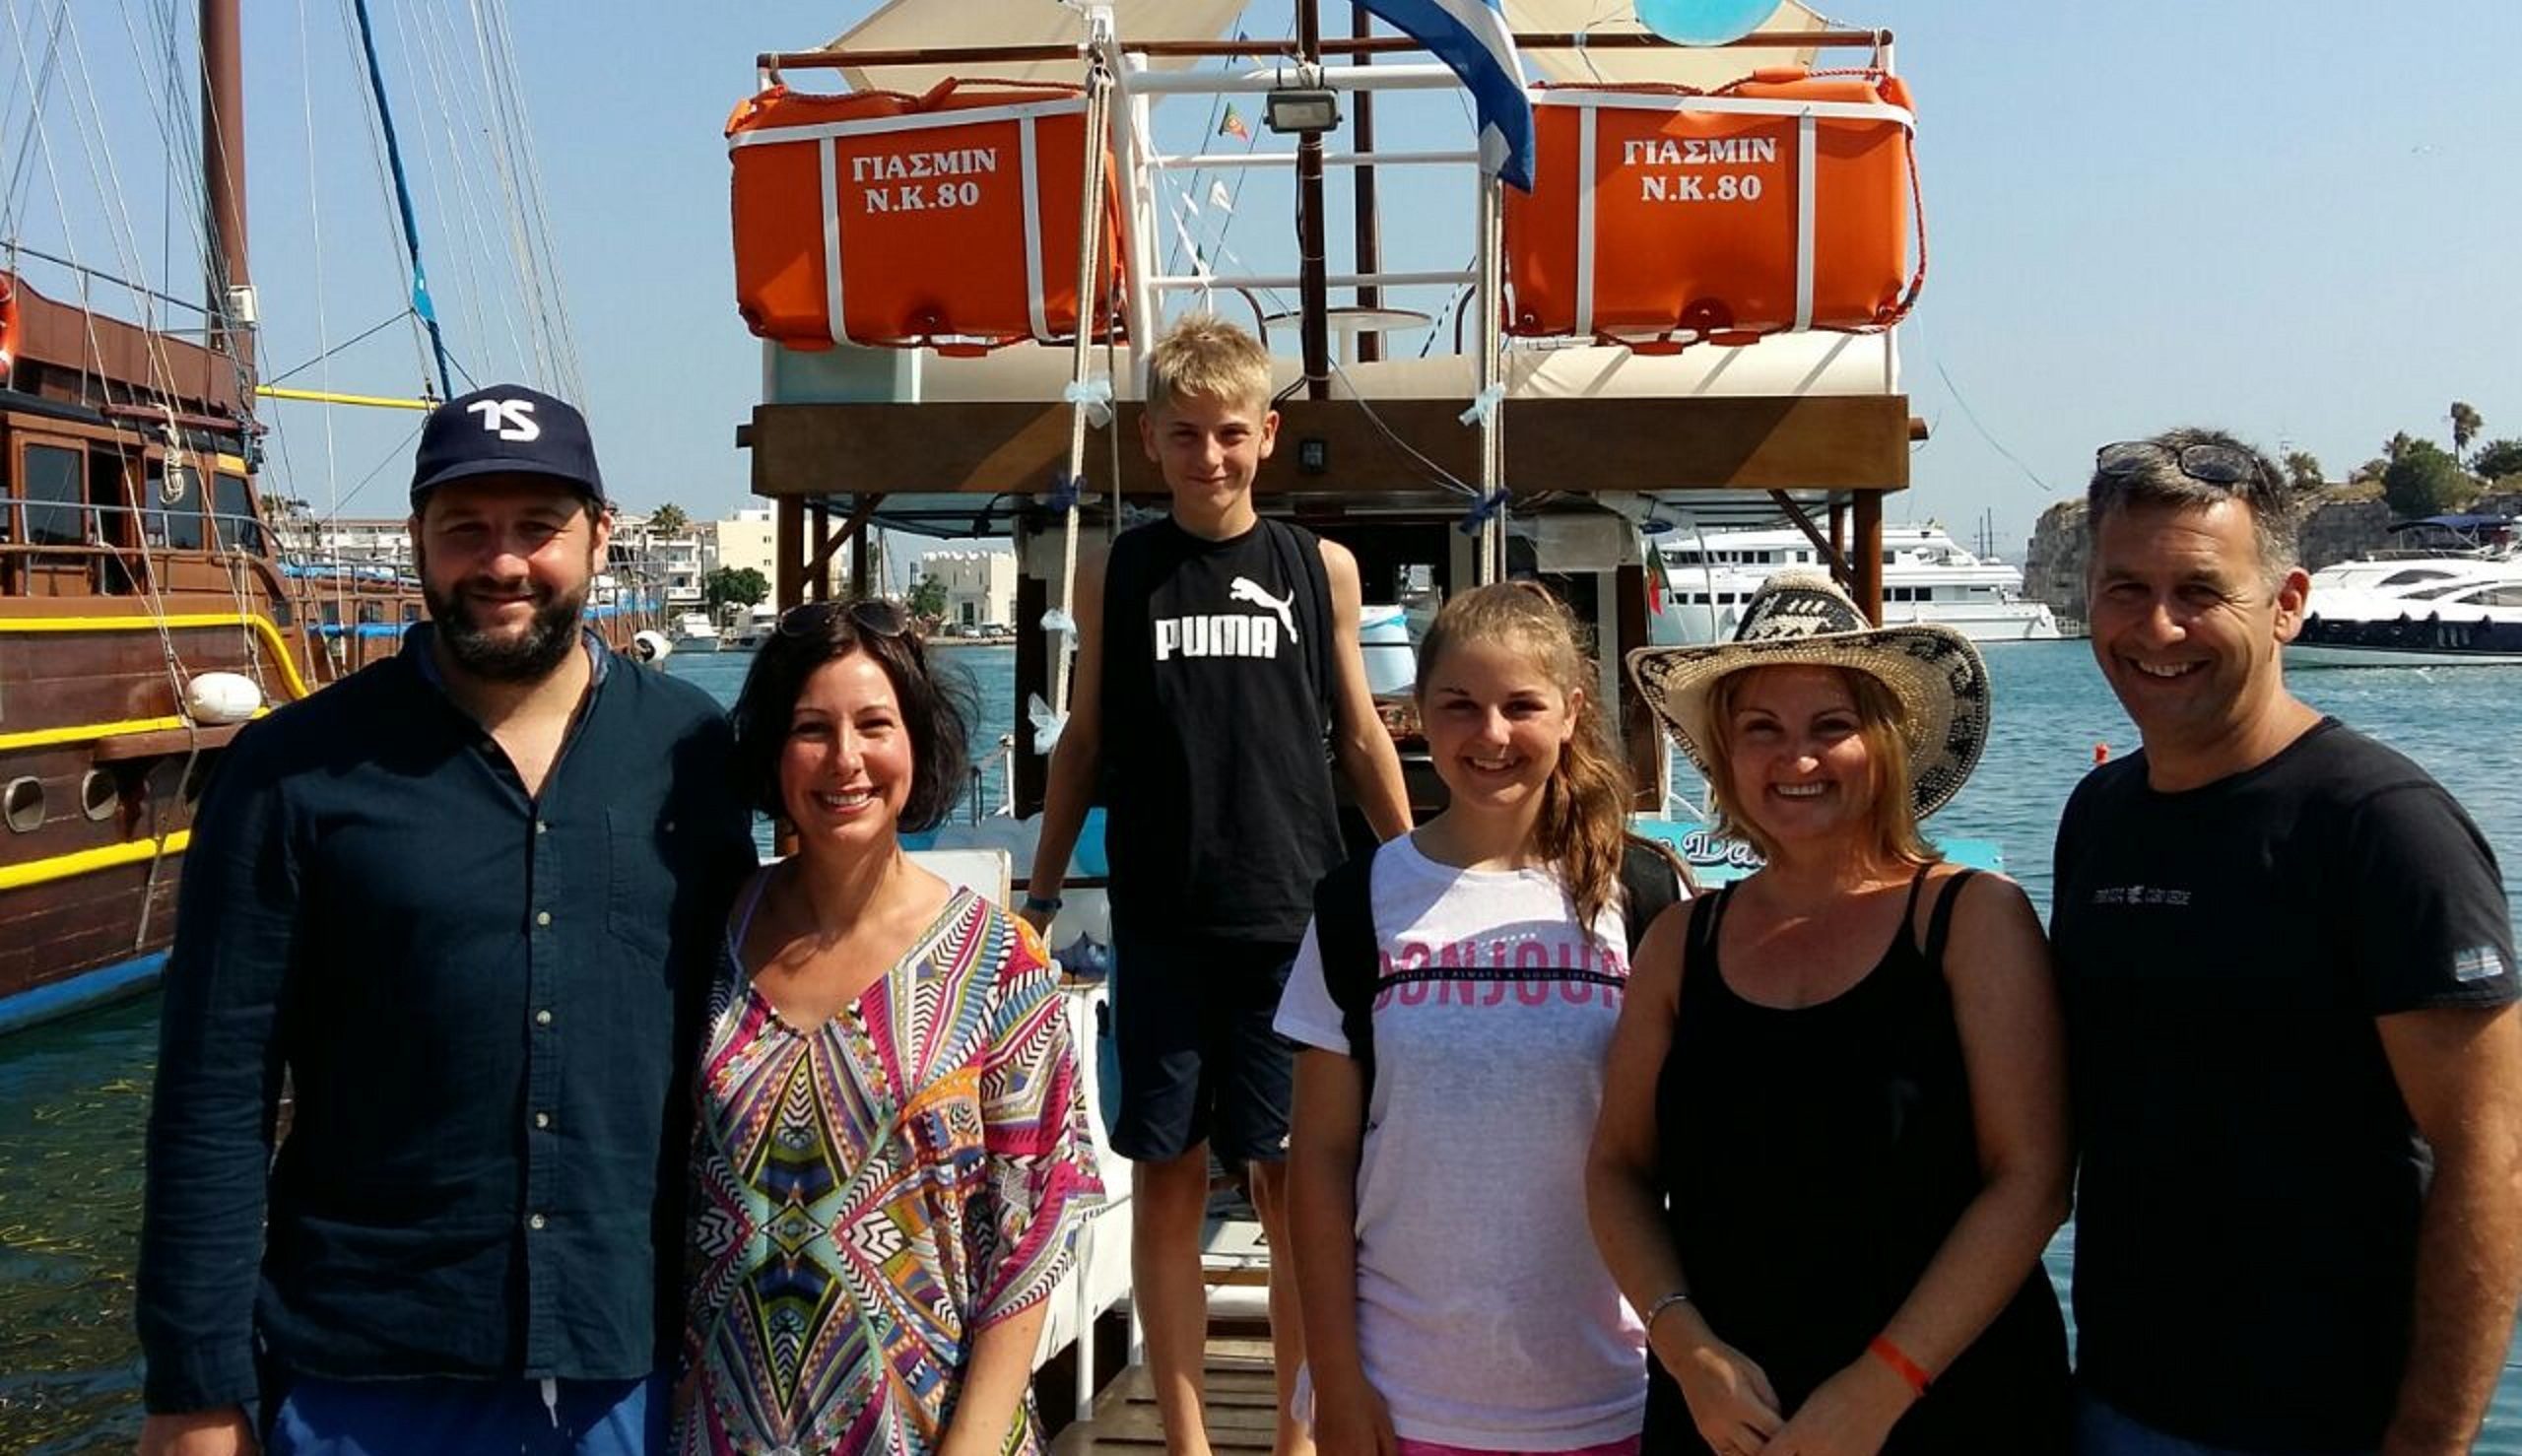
pixel 1707 911
pixel 1700 977
pixel 742 927
pixel 1940 924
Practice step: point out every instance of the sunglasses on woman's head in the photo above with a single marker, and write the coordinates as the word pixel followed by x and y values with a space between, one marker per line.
pixel 873 616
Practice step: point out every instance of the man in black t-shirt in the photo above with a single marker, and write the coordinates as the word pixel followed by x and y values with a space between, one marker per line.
pixel 1218 677
pixel 2290 985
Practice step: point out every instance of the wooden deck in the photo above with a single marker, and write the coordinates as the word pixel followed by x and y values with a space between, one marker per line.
pixel 1240 1407
pixel 1242 1391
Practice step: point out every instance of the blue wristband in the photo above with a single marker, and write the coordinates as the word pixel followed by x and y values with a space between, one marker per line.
pixel 1040 906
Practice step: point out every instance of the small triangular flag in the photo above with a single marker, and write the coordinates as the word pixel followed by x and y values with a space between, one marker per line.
pixel 1219 197
pixel 1234 125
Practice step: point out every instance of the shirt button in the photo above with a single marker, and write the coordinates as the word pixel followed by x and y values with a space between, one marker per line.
pixel 542 827
pixel 543 917
pixel 543 1018
pixel 534 1221
pixel 668 826
pixel 541 1119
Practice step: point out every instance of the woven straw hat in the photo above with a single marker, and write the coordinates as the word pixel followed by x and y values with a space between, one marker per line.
pixel 1802 617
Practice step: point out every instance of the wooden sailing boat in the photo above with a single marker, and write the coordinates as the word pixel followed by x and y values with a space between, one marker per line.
pixel 150 600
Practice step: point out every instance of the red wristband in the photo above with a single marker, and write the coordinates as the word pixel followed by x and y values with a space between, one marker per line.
pixel 1909 1371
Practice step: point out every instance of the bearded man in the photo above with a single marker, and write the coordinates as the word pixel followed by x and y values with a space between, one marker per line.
pixel 463 904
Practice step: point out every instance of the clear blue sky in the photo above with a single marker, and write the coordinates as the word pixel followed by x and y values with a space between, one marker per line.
pixel 2296 221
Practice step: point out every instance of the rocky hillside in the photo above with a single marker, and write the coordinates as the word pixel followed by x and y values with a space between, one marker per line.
pixel 2345 522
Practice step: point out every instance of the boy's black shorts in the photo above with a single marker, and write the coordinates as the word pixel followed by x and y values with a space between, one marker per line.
pixel 1199 1061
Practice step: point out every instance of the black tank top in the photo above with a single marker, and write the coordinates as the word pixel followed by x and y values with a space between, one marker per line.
pixel 1215 763
pixel 1813 1161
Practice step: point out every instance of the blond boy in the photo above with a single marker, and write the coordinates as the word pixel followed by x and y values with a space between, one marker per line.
pixel 1218 677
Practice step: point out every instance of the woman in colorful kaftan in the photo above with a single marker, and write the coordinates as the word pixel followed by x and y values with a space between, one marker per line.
pixel 893 1155
pixel 1833 1136
pixel 1454 997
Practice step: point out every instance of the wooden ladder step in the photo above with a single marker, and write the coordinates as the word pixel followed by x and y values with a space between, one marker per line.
pixel 1241 1407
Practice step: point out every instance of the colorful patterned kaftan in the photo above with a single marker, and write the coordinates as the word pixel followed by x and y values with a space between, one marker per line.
pixel 871 1193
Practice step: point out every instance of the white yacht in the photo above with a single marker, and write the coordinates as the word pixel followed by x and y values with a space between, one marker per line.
pixel 759 622
pixel 1927 576
pixel 694 632
pixel 2429 611
pixel 2451 594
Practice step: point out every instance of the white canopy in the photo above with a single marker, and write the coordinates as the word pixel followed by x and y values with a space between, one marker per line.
pixel 908 24
pixel 905 25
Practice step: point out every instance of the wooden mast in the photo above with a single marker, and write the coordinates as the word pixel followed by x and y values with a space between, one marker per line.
pixel 223 162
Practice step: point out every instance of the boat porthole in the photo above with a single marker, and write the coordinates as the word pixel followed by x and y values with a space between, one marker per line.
pixel 99 793
pixel 23 805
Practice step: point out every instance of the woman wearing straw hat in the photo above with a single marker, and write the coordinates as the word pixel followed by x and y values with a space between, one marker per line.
pixel 1834 1138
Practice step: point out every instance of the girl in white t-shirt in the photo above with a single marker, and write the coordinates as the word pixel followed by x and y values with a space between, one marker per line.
pixel 1453 1296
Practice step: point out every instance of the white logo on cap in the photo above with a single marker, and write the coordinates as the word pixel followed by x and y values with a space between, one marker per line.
pixel 509 418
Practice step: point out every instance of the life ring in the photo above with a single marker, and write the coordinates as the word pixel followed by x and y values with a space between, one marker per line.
pixel 8 325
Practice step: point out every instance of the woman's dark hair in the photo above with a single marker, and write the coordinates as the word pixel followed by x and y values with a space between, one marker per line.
pixel 936 707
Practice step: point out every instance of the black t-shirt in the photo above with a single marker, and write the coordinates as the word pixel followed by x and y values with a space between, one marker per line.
pixel 1214 764
pixel 2247 1205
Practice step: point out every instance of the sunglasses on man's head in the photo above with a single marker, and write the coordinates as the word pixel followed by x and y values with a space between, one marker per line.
pixel 873 616
pixel 2208 464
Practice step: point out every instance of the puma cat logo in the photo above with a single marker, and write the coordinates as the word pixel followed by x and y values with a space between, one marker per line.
pixel 1245 589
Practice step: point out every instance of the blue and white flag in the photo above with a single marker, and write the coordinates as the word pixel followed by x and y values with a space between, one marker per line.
pixel 1472 39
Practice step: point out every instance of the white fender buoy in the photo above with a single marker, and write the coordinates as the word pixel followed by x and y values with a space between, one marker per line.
pixel 650 645
pixel 222 697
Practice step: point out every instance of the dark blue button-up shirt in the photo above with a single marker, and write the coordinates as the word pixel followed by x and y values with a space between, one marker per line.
pixel 486 1006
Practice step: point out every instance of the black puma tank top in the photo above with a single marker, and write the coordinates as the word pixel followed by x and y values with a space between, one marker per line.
pixel 1215 765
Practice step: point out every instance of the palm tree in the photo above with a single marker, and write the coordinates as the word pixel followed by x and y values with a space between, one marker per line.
pixel 2466 424
pixel 668 521
pixel 2305 467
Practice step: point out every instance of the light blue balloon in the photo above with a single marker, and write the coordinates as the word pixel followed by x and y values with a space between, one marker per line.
pixel 1705 21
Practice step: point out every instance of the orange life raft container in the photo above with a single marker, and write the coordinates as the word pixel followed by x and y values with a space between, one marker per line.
pixel 1781 201
pixel 882 218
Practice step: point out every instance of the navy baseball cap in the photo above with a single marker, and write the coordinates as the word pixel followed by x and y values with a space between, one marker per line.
pixel 506 429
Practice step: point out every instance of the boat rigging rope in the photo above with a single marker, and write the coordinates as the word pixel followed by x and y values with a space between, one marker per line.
pixel 420 303
pixel 324 351
pixel 1087 398
pixel 424 41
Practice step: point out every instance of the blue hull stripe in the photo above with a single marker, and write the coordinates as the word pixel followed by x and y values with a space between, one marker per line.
pixel 79 992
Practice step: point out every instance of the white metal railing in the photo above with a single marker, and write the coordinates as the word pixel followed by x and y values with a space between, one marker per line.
pixel 1142 224
pixel 1217 160
pixel 1425 77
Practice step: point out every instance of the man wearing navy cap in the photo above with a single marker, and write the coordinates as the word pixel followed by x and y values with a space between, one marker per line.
pixel 464 903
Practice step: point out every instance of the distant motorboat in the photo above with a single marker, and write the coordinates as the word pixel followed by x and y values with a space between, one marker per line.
pixel 1927 576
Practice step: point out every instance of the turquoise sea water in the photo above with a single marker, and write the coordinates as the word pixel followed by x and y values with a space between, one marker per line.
pixel 74 1095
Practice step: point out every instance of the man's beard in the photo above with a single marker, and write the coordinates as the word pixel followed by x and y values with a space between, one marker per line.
pixel 528 657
